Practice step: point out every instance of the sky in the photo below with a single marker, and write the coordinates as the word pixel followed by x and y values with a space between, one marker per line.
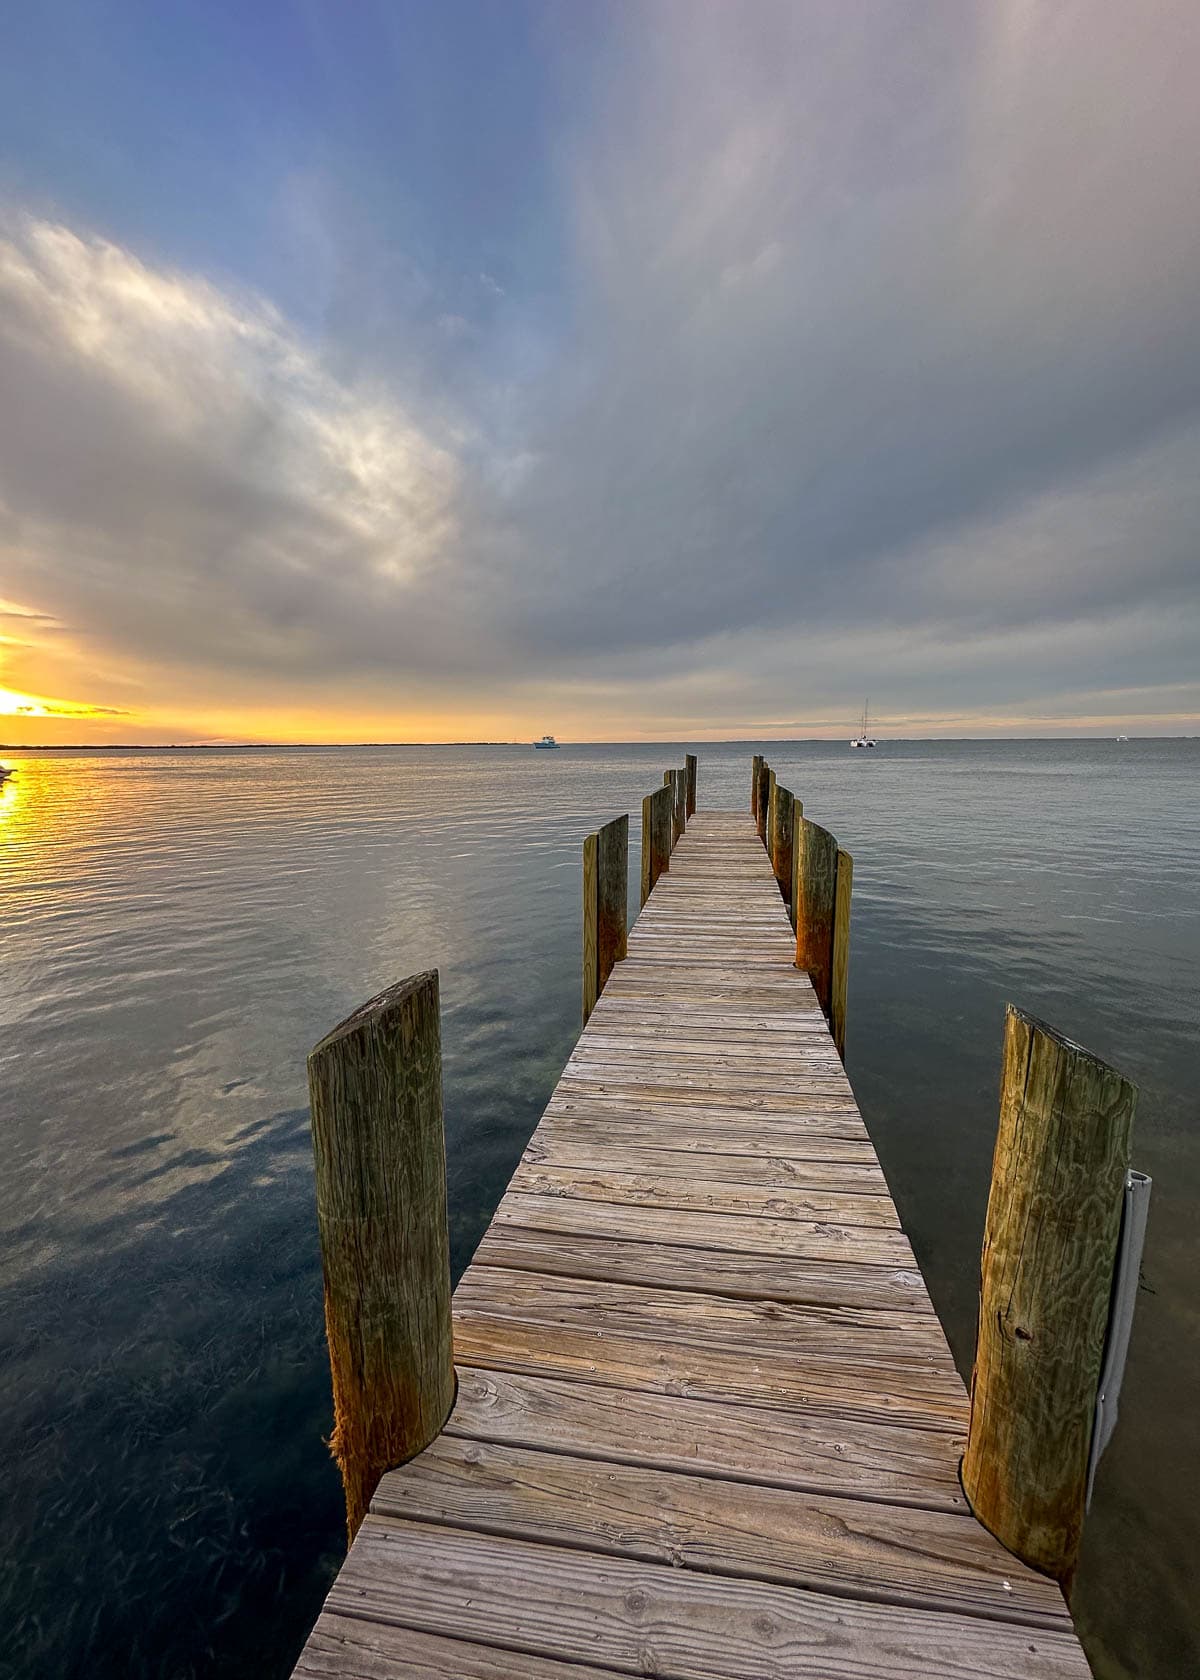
pixel 637 369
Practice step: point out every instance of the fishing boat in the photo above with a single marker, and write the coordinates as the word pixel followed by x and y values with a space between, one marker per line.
pixel 864 738
pixel 5 773
pixel 546 741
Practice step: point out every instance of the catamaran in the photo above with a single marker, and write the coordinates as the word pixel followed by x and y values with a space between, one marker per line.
pixel 863 738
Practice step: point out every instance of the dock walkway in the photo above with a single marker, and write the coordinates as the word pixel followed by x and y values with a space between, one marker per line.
pixel 707 1422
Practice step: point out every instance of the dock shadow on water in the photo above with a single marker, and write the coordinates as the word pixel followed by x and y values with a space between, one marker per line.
pixel 182 928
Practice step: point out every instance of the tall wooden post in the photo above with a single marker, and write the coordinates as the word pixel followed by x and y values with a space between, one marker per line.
pixel 841 950
pixel 769 835
pixel 764 799
pixel 814 893
pixel 1049 1249
pixel 605 906
pixel 375 1087
pixel 691 767
pixel 657 817
pixel 756 764
pixel 782 841
pixel 676 780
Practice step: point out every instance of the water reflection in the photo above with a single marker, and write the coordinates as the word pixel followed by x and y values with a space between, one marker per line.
pixel 181 928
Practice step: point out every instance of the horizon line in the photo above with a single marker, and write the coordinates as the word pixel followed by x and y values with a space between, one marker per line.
pixel 666 740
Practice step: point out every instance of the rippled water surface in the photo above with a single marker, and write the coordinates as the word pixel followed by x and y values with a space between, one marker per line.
pixel 180 928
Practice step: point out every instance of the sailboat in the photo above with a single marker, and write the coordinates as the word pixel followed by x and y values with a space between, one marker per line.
pixel 863 738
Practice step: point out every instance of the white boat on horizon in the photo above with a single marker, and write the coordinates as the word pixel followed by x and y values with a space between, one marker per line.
pixel 546 741
pixel 864 738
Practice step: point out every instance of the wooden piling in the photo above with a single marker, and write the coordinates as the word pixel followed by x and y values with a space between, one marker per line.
pixel 676 780
pixel 841 950
pixel 375 1087
pixel 772 791
pixel 782 840
pixel 813 893
pixel 690 765
pixel 764 800
pixel 657 818
pixel 756 765
pixel 1049 1250
pixel 605 906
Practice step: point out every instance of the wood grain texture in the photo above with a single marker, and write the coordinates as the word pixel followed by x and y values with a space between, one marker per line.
pixel 755 768
pixel 1053 1220
pixel 650 1619
pixel 881 1553
pixel 764 799
pixel 815 889
pixel 707 1423
pixel 591 924
pixel 782 841
pixel 375 1088
pixel 869 1284
pixel 657 816
pixel 797 1449
pixel 349 1648
pixel 690 764
pixel 841 950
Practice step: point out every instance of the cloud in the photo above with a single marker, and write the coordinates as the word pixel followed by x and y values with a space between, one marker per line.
pixel 873 363
pixel 184 478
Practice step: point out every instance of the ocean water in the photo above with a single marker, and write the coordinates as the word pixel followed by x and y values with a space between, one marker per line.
pixel 180 928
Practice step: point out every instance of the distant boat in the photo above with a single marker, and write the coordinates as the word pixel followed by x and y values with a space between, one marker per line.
pixel 546 741
pixel 1122 737
pixel 5 773
pixel 863 738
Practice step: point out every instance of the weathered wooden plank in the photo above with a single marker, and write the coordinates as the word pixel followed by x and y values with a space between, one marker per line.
pixel 745 1443
pixel 706 1195
pixel 666 1265
pixel 696 1088
pixel 564 1152
pixel 642 1618
pixel 877 1552
pixel 351 1648
pixel 799 1145
pixel 750 1234
pixel 906 1340
pixel 859 1383
pixel 817 1114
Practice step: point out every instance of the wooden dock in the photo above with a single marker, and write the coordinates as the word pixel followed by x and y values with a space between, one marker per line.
pixel 707 1422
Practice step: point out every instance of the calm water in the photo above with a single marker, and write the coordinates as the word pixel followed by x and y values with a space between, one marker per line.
pixel 180 928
